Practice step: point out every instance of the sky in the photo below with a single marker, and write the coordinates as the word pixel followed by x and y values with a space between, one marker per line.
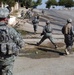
pixel 43 4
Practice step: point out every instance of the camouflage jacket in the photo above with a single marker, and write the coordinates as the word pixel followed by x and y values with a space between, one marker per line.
pixel 47 30
pixel 15 42
pixel 35 21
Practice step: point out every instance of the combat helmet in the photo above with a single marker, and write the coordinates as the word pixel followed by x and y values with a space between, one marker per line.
pixel 4 12
pixel 47 22
pixel 69 20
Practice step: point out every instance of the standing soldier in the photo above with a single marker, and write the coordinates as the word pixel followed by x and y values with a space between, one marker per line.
pixel 29 14
pixel 35 22
pixel 38 16
pixel 22 14
pixel 43 12
pixel 47 33
pixel 10 44
pixel 67 30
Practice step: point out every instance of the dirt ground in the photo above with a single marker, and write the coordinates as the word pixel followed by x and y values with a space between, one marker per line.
pixel 43 51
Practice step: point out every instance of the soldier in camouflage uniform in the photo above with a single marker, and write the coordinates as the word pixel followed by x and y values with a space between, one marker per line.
pixel 47 33
pixel 22 14
pixel 43 12
pixel 35 22
pixel 10 44
pixel 29 14
pixel 68 32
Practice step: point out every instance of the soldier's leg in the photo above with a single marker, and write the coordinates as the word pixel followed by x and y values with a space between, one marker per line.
pixel 0 70
pixel 8 69
pixel 42 39
pixel 69 49
pixel 35 28
pixel 52 41
pixel 1 66
pixel 30 17
pixel 66 50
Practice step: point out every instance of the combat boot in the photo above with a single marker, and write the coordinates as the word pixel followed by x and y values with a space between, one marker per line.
pixel 67 52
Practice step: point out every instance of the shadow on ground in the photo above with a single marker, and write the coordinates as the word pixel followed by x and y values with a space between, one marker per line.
pixel 42 51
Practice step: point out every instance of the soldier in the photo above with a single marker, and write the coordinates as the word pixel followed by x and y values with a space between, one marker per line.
pixel 43 12
pixel 35 22
pixel 29 13
pixel 38 16
pixel 10 44
pixel 67 30
pixel 47 33
pixel 22 13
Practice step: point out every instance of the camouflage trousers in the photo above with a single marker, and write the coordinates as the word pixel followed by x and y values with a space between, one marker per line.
pixel 35 27
pixel 45 37
pixel 6 65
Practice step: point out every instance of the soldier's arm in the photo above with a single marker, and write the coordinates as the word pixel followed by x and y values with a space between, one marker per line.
pixel 16 37
pixel 73 30
pixel 37 21
pixel 43 31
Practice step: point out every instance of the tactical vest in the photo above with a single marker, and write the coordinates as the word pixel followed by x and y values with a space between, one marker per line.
pixel 6 41
pixel 35 21
pixel 67 29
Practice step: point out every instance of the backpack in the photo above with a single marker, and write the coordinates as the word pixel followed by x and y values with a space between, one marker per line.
pixel 63 29
pixel 4 36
